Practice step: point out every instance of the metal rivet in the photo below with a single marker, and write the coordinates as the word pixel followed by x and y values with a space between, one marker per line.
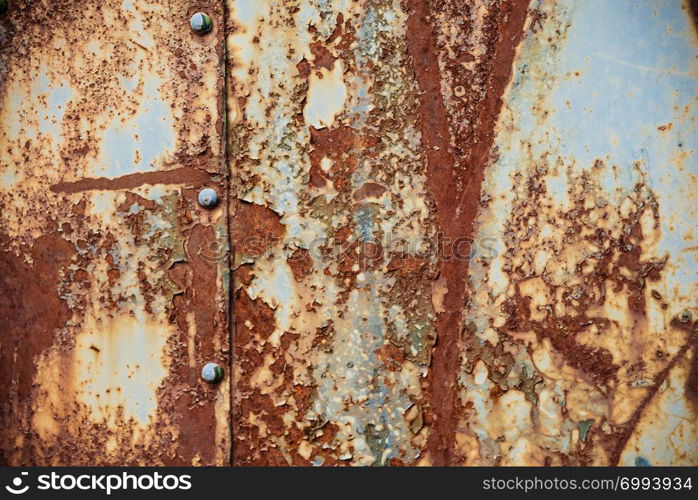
pixel 212 373
pixel 685 316
pixel 201 23
pixel 208 198
pixel 3 7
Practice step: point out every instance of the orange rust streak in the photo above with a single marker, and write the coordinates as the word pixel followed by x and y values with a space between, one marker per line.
pixel 627 432
pixel 183 175
pixel 455 209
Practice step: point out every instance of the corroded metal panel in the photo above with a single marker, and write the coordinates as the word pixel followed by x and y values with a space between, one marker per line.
pixel 463 232
pixel 113 280
pixel 580 335
pixel 358 133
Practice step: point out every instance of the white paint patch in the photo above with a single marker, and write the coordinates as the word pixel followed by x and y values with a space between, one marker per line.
pixel 119 365
pixel 141 142
pixel 326 96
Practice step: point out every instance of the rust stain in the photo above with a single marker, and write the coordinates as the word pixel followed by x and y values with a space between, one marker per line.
pixel 253 229
pixel 189 176
pixel 574 351
pixel 32 312
pixel 373 174
pixel 625 433
pixel 456 162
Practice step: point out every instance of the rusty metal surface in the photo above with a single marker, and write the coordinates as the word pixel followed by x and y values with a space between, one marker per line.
pixel 461 233
pixel 114 281
pixel 354 147
pixel 453 248
pixel 585 321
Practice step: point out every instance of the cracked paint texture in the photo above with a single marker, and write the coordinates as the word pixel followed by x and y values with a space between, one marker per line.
pixel 113 280
pixel 460 241
pixel 450 233
pixel 581 333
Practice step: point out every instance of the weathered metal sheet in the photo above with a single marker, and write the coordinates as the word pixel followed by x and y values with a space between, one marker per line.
pixel 463 233
pixel 113 280
pixel 581 333
pixel 420 278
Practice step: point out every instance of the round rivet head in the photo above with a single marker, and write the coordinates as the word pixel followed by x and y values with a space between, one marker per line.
pixel 685 316
pixel 3 7
pixel 208 198
pixel 200 22
pixel 212 373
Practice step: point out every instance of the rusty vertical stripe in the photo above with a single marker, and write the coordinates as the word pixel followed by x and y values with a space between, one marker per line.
pixel 113 280
pixel 463 79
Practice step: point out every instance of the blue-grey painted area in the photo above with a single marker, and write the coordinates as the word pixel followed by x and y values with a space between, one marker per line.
pixel 597 133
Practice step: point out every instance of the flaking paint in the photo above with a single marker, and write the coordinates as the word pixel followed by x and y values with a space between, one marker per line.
pixel 450 233
pixel 112 300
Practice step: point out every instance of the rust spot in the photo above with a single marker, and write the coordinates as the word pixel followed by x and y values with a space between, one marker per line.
pixel 369 190
pixel 303 68
pixel 31 312
pixel 254 229
pixel 322 58
pixel 392 357
pixel 333 143
pixel 301 264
